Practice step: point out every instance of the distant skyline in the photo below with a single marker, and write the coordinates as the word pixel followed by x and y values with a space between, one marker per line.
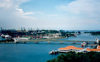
pixel 50 14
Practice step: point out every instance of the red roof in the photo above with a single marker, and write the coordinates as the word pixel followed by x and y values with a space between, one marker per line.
pixel 88 49
pixel 98 49
pixel 70 47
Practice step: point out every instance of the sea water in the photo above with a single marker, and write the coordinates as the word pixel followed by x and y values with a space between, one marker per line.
pixel 31 52
pixel 28 52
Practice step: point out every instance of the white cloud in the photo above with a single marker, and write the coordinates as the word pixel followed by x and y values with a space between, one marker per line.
pixel 12 16
pixel 21 12
pixel 83 13
pixel 53 15
pixel 87 7
pixel 78 14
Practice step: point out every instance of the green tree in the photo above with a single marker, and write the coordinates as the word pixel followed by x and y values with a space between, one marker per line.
pixel 77 57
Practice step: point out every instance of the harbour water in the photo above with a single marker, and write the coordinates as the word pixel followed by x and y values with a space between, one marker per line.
pixel 28 52
pixel 32 52
pixel 2 38
pixel 85 37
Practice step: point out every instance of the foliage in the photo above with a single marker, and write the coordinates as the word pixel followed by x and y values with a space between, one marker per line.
pixel 77 57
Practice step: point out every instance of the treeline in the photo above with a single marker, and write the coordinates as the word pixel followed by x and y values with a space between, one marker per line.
pixel 23 32
pixel 77 57
pixel 94 33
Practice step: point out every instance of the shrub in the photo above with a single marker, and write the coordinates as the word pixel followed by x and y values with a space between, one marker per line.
pixel 77 57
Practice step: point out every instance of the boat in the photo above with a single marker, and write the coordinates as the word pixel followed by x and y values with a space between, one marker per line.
pixel 53 52
pixel 20 39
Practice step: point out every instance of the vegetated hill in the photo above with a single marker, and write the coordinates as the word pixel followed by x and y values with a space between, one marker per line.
pixel 77 57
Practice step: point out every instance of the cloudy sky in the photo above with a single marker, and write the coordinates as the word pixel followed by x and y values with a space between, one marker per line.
pixel 50 14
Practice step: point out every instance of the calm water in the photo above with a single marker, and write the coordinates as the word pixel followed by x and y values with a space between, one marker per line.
pixel 85 37
pixel 2 38
pixel 36 52
pixel 28 52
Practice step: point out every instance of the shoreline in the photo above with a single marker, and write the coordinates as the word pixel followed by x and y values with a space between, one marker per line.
pixel 45 40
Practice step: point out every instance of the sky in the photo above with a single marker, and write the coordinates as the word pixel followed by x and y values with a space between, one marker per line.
pixel 50 14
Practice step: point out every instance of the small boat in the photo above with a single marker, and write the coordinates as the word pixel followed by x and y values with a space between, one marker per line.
pixel 53 52
pixel 19 39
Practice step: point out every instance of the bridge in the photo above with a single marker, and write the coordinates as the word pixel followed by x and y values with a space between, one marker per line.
pixel 50 40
